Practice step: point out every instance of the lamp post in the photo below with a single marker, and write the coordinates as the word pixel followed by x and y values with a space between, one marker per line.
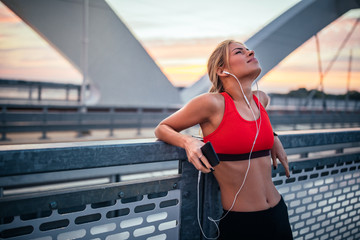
pixel 348 80
pixel 84 52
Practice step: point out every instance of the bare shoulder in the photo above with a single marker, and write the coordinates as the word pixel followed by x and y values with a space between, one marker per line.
pixel 210 101
pixel 263 97
pixel 203 107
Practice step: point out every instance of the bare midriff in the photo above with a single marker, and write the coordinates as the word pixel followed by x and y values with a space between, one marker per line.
pixel 258 192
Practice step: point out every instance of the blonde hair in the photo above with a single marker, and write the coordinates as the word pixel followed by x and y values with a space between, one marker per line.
pixel 218 58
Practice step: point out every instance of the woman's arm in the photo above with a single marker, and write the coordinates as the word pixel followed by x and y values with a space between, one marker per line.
pixel 278 152
pixel 197 111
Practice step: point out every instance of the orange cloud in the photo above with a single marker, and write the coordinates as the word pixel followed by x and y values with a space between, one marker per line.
pixel 184 49
pixel 182 62
pixel 184 75
pixel 283 81
pixel 7 16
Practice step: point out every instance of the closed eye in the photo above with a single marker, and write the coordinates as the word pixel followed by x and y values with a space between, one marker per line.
pixel 238 50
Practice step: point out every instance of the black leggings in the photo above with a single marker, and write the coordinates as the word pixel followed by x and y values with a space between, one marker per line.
pixel 272 223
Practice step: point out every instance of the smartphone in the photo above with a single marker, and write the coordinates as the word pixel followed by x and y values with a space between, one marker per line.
pixel 210 154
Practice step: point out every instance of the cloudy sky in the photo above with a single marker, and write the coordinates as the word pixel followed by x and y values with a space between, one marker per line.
pixel 180 36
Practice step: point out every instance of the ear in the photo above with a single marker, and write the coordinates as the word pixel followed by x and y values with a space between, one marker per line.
pixel 220 73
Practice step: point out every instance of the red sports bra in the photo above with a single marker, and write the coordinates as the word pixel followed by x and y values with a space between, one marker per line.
pixel 234 137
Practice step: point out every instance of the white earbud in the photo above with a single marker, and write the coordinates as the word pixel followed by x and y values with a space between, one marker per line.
pixel 246 100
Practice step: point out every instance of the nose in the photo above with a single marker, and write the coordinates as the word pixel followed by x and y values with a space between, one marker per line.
pixel 251 52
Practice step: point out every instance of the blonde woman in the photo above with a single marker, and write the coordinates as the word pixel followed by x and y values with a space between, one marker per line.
pixel 233 118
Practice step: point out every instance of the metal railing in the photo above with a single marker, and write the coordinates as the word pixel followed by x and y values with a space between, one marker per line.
pixel 78 190
pixel 30 88
pixel 41 92
pixel 292 103
pixel 44 119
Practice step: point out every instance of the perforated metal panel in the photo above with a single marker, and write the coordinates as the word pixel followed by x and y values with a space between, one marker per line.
pixel 150 217
pixel 323 202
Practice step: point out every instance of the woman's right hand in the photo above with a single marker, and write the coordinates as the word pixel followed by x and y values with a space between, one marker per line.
pixel 205 110
pixel 195 156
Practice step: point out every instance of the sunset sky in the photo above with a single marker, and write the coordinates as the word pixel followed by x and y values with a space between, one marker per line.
pixel 180 36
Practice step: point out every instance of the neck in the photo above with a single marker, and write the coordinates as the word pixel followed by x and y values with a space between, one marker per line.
pixel 235 92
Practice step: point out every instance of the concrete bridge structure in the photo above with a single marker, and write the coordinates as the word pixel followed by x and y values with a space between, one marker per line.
pixel 93 38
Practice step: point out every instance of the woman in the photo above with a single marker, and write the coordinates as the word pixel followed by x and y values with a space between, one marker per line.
pixel 253 208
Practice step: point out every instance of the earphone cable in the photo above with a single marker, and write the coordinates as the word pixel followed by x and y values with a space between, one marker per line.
pixel 258 126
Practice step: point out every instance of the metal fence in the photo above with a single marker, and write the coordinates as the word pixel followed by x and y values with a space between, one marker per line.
pixel 39 92
pixel 50 118
pixel 25 90
pixel 319 104
pixel 78 190
pixel 44 119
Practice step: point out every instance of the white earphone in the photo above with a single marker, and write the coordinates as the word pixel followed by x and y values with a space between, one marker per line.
pixel 247 170
pixel 246 100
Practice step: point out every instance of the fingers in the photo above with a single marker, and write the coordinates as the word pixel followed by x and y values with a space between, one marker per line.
pixel 195 156
pixel 284 162
pixel 273 156
pixel 200 163
pixel 205 162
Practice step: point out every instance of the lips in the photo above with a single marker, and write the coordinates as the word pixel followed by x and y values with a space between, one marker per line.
pixel 251 60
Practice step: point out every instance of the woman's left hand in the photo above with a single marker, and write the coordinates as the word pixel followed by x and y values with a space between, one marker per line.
pixel 278 152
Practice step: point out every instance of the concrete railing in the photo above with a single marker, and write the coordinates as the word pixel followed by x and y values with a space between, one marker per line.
pixel 97 190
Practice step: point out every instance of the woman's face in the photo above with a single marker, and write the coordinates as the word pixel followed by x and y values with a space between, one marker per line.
pixel 242 61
